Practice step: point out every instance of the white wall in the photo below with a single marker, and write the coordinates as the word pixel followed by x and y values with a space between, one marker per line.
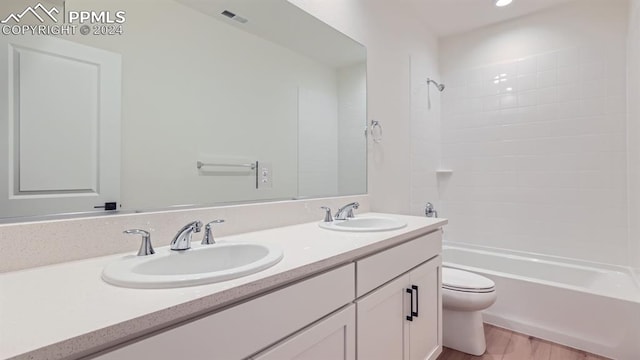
pixel 633 134
pixel 539 158
pixel 392 36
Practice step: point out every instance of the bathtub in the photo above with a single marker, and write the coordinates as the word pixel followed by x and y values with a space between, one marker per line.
pixel 595 308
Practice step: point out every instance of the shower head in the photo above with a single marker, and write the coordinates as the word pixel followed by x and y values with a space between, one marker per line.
pixel 440 87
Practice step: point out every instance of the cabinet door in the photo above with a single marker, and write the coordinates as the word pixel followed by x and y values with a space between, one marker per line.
pixel 382 323
pixel 333 338
pixel 425 334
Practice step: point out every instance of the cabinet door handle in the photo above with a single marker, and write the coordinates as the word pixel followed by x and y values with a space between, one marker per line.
pixel 410 316
pixel 415 287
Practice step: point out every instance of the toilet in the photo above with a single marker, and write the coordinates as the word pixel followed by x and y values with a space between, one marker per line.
pixel 464 296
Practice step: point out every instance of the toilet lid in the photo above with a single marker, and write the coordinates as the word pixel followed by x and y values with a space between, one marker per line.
pixel 460 280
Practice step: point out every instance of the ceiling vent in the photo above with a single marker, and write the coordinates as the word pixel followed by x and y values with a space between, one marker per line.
pixel 233 16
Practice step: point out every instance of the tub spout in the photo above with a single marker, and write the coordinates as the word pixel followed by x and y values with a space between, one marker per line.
pixel 430 211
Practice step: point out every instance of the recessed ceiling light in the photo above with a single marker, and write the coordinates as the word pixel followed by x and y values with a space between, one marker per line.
pixel 502 3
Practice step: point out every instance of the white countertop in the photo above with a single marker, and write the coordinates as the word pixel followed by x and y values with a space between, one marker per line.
pixel 66 311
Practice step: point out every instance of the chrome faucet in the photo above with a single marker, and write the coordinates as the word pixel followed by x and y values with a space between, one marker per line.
pixel 346 212
pixel 430 211
pixel 182 240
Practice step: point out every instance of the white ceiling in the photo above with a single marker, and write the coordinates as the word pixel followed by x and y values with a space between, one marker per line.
pixel 447 17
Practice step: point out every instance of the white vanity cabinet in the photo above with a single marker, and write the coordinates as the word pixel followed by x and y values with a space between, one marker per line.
pixel 245 329
pixel 402 318
pixel 384 306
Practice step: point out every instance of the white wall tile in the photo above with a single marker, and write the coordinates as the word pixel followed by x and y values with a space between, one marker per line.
pixel 568 74
pixel 527 174
pixel 477 90
pixel 476 105
pixel 548 61
pixel 592 71
pixel 591 89
pixel 526 66
pixel 568 57
pixel 616 85
pixel 568 92
pixel 547 95
pixel 569 109
pixel 593 107
pixel 616 105
pixel 547 112
pixel 593 53
pixel 616 66
pixel 508 101
pixel 547 78
pixel 527 113
pixel 527 82
pixel 490 103
pixel 528 98
pixel 476 76
pixel 457 78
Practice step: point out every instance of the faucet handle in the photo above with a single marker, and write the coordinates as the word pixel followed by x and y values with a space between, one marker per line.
pixel 145 248
pixel 327 215
pixel 208 233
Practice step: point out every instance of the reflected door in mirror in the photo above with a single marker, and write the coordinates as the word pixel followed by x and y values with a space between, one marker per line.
pixel 62 123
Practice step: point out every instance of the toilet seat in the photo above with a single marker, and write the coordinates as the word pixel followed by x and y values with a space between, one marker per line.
pixel 464 281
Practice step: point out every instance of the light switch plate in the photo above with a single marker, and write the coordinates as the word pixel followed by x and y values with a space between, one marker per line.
pixel 265 175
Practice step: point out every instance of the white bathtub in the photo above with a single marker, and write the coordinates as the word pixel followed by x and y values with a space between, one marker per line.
pixel 593 308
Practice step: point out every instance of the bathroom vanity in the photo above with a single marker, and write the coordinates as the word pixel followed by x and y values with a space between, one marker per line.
pixel 334 295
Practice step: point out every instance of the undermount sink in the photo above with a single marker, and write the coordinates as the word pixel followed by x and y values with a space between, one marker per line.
pixel 364 224
pixel 196 266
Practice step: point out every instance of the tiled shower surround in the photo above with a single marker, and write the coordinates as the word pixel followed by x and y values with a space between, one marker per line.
pixel 538 148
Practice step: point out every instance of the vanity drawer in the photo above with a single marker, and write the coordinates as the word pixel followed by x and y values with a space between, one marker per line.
pixel 247 328
pixel 377 269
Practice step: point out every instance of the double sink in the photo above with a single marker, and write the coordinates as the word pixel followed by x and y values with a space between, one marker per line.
pixel 215 262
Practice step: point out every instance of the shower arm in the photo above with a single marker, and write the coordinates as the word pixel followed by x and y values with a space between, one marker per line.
pixel 440 87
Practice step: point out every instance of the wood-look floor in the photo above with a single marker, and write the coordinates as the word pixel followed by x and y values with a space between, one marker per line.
pixel 507 345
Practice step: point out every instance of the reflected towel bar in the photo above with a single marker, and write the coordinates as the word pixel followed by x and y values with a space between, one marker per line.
pixel 252 166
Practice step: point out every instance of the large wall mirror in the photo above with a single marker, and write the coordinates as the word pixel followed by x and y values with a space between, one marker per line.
pixel 165 103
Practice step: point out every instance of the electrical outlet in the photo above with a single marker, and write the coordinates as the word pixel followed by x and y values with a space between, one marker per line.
pixel 265 175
